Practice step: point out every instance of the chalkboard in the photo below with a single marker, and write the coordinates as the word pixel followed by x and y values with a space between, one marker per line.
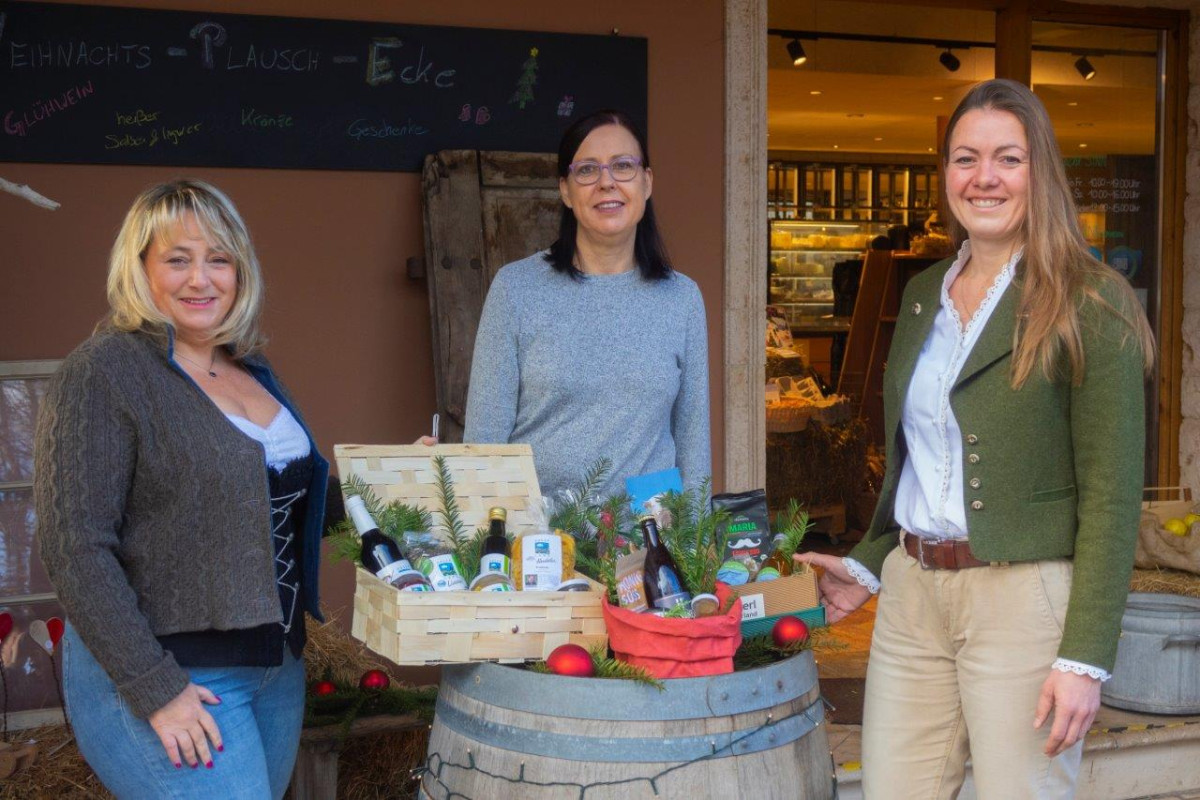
pixel 99 85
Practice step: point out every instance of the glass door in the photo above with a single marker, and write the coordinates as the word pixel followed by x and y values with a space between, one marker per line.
pixel 1101 85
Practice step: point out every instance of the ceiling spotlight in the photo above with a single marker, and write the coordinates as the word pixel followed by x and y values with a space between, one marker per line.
pixel 796 52
pixel 950 61
pixel 1085 68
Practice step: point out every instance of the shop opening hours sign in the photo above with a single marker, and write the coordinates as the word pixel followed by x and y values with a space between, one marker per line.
pixel 1117 199
pixel 100 85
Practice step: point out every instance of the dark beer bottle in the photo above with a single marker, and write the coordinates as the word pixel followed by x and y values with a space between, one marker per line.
pixel 664 585
pixel 496 549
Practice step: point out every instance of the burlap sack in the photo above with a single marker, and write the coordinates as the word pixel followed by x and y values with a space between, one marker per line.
pixel 1158 547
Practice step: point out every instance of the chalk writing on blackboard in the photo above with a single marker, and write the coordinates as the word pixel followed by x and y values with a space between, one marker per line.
pixel 110 85
pixel 41 110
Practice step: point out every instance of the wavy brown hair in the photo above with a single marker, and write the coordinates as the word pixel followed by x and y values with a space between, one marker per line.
pixel 1060 275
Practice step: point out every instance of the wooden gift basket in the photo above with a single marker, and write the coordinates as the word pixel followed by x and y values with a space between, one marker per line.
pixel 421 628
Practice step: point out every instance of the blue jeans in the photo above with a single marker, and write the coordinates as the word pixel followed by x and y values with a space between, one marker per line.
pixel 259 717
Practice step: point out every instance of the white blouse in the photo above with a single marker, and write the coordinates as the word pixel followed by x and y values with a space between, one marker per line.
pixel 283 439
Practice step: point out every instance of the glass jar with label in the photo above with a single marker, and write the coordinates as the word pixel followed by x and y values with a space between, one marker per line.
pixel 543 560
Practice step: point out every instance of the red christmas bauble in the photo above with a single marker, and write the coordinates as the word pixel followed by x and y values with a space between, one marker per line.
pixel 374 679
pixel 789 632
pixel 571 660
pixel 321 688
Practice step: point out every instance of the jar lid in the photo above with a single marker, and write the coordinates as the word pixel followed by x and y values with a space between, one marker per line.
pixel 574 585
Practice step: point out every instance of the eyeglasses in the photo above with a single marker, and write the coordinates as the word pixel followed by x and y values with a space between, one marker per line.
pixel 620 169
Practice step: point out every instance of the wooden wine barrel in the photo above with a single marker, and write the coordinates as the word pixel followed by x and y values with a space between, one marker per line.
pixel 503 732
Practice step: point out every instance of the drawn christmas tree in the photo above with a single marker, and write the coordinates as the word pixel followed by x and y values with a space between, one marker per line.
pixel 524 92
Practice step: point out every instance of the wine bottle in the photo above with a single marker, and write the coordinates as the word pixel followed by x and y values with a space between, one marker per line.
pixel 496 552
pixel 664 585
pixel 380 555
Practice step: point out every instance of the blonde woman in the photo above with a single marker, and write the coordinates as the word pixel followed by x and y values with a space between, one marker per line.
pixel 179 499
pixel 1003 540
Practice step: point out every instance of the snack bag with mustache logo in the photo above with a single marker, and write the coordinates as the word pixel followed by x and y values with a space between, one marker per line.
pixel 747 535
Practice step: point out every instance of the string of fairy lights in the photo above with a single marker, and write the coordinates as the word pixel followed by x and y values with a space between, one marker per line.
pixel 435 765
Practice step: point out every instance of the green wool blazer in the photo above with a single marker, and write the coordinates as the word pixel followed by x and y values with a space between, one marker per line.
pixel 1050 470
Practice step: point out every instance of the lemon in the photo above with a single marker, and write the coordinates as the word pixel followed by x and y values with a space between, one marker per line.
pixel 1191 519
pixel 1177 527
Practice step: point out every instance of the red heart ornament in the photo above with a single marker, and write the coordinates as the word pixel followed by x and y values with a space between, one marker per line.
pixel 55 627
pixel 6 625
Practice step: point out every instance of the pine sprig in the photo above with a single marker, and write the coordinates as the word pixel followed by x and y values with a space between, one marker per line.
pixel 393 519
pixel 579 513
pixel 696 536
pixel 608 668
pixel 451 516
pixel 589 562
pixel 349 703
pixel 470 552
pixel 794 524
pixel 758 651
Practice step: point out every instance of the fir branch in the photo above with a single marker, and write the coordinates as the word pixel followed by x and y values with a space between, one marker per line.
pixel 758 651
pixel 594 478
pixel 607 668
pixel 398 518
pixel 456 529
pixel 469 553
pixel 696 536
pixel 579 514
pixel 349 703
pixel 355 485
pixel 344 544
pixel 612 668
pixel 393 520
pixel 678 611
pixel 794 524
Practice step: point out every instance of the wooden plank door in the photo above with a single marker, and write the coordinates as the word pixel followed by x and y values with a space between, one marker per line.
pixel 482 210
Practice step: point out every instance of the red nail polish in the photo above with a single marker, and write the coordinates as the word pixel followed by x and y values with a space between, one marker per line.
pixel 195 765
pixel 208 765
pixel 220 748
pixel 178 765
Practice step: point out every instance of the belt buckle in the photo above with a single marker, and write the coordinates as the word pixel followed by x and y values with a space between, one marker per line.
pixel 921 553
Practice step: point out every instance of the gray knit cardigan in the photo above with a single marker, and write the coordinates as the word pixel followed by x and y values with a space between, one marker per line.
pixel 153 510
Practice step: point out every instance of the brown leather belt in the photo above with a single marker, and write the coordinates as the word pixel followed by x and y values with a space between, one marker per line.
pixel 941 553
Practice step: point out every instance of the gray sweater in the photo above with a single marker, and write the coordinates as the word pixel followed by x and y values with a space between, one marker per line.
pixel 610 366
pixel 153 514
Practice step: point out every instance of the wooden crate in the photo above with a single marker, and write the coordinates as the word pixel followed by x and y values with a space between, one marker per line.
pixel 484 475
pixel 414 628
pixel 456 627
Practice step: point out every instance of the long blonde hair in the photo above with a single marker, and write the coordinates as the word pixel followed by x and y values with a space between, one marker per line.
pixel 1059 270
pixel 153 215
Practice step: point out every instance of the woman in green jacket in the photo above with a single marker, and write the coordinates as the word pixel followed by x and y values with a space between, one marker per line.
pixel 1003 540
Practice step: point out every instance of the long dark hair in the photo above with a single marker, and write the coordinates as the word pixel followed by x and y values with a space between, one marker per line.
pixel 648 249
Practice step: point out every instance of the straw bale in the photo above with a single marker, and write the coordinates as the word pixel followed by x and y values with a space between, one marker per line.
pixel 1165 581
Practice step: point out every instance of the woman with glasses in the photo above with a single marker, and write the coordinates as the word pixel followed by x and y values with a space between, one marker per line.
pixel 1003 540
pixel 596 348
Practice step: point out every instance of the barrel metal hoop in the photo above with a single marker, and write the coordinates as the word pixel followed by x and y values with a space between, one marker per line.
pixel 682 698
pixel 613 749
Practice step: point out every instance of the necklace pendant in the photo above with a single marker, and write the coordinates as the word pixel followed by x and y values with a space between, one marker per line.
pixel 212 374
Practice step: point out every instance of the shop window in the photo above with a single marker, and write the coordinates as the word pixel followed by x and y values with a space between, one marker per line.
pixel 25 591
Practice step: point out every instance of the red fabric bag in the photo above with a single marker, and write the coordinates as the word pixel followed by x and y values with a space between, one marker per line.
pixel 676 648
